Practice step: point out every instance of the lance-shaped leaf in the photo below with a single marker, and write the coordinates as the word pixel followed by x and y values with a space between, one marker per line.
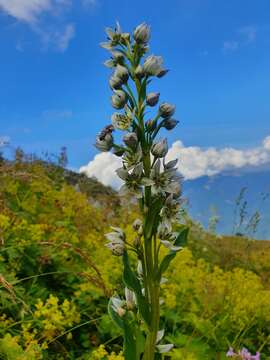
pixel 130 351
pixel 132 282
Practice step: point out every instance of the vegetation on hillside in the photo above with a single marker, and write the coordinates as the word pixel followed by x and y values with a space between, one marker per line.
pixel 56 275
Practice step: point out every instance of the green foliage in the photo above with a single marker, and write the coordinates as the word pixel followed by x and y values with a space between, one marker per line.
pixel 56 276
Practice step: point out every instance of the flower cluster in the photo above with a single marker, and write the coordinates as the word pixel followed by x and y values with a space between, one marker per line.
pixel 159 177
pixel 243 354
pixel 146 176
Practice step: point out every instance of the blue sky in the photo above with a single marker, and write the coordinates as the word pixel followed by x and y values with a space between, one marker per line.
pixel 54 88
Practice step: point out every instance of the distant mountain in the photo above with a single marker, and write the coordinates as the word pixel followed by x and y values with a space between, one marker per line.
pixel 216 196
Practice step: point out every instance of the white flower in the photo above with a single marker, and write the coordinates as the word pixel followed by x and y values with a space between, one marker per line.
pixel 133 181
pixel 164 348
pixel 118 306
pixel 121 121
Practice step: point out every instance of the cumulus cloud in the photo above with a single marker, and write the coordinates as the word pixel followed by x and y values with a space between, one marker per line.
pixel 103 167
pixel 193 163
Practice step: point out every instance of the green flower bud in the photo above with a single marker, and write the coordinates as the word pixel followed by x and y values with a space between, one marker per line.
pixel 160 148
pixel 115 82
pixel 153 65
pixel 142 33
pixel 121 121
pixel 122 73
pixel 119 99
pixel 152 99
pixel 169 123
pixel 166 110
pixel 131 140
pixel 139 72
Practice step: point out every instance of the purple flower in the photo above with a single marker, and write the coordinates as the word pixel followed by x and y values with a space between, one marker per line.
pixel 243 354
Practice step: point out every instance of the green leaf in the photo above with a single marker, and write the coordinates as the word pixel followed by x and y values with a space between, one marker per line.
pixel 130 351
pixel 132 282
pixel 130 279
pixel 181 240
pixel 166 262
pixel 140 342
pixel 114 316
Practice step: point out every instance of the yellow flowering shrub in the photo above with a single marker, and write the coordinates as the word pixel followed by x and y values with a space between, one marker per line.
pixel 101 354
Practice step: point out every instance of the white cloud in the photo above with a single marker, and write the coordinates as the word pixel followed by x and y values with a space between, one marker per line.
pixel 245 36
pixel 103 167
pixel 4 141
pixel 62 39
pixel 52 33
pixel 194 161
pixel 25 10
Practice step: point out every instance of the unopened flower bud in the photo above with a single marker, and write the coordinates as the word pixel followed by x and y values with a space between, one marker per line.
pixel 121 121
pixel 142 33
pixel 118 99
pixel 150 125
pixel 153 65
pixel 122 73
pixel 138 226
pixel 139 72
pixel 169 123
pixel 137 241
pixel 160 149
pixel 115 82
pixel 166 110
pixel 152 99
pixel 130 299
pixel 104 143
pixel 121 312
pixel 131 140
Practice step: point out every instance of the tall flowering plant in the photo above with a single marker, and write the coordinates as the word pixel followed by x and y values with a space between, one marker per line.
pixel 153 181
